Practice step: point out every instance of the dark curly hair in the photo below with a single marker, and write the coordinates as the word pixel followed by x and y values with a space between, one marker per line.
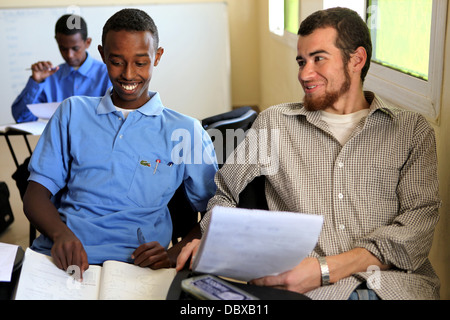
pixel 131 20
pixel 352 32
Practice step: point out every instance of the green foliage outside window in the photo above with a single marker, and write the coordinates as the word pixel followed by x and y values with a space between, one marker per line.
pixel 401 32
pixel 291 16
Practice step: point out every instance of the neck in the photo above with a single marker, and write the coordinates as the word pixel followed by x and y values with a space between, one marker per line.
pixel 130 105
pixel 352 101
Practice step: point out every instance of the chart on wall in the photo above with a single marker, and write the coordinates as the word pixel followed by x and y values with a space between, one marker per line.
pixel 193 76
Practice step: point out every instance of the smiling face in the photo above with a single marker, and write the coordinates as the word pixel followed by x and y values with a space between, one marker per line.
pixel 324 77
pixel 130 58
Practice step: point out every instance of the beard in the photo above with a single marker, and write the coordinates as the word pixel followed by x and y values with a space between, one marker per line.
pixel 329 99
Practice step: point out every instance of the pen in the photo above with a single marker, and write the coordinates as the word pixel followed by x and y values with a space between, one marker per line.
pixel 140 236
pixel 156 167
pixel 49 69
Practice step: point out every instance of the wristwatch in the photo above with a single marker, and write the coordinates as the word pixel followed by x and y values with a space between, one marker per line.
pixel 324 270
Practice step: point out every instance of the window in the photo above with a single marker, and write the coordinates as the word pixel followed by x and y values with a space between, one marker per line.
pixel 408 50
pixel 284 19
pixel 291 16
pixel 397 43
pixel 357 5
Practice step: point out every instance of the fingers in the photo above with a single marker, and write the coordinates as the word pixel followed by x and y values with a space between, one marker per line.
pixel 151 255
pixel 70 254
pixel 43 66
pixel 269 281
pixel 186 253
pixel 42 69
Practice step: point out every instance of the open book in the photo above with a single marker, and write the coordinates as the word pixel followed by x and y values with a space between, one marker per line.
pixel 40 279
pixel 247 244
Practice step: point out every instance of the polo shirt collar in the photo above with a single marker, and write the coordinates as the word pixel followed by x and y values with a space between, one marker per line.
pixel 153 107
pixel 84 69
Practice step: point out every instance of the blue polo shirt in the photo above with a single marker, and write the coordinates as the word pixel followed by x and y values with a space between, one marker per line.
pixel 117 174
pixel 90 79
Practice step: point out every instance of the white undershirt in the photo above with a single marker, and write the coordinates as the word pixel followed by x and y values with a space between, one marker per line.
pixel 342 126
pixel 125 112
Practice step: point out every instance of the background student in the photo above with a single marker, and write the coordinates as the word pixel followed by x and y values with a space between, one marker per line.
pixel 79 75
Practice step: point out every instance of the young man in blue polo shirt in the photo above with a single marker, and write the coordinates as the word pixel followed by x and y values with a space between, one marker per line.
pixel 79 75
pixel 111 161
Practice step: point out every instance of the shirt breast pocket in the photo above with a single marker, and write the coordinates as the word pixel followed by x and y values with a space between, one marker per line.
pixel 150 182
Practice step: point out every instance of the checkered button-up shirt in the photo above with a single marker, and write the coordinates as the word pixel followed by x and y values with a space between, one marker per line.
pixel 379 191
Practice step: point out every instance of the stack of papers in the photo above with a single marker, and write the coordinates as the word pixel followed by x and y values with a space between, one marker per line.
pixel 7 257
pixel 43 111
pixel 248 244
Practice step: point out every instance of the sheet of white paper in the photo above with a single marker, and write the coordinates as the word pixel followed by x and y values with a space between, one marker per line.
pixel 7 257
pixel 34 127
pixel 248 244
pixel 41 279
pixel 43 110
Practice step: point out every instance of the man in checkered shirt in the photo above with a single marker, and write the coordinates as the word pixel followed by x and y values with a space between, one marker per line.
pixel 368 167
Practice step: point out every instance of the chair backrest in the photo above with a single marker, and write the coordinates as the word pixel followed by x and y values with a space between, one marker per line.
pixel 230 115
pixel 254 195
pixel 184 216
pixel 232 126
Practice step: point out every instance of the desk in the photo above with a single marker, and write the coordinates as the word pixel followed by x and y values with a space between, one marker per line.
pixel 7 288
pixel 11 149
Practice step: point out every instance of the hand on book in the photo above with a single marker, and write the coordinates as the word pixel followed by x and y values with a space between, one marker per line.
pixel 151 254
pixel 67 251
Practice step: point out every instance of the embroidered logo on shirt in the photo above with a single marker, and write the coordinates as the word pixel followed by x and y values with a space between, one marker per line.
pixel 145 163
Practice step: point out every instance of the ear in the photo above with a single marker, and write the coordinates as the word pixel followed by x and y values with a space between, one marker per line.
pixel 358 60
pixel 102 53
pixel 158 56
pixel 88 42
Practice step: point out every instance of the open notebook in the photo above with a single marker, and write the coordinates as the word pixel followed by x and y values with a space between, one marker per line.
pixel 40 279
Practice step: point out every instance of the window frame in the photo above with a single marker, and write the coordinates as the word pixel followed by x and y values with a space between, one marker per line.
pixel 278 31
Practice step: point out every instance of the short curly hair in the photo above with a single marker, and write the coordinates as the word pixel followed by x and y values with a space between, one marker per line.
pixel 70 24
pixel 352 31
pixel 131 20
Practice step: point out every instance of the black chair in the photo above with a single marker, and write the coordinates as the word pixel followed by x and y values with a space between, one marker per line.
pixel 21 174
pixel 241 118
pixel 254 196
pixel 184 216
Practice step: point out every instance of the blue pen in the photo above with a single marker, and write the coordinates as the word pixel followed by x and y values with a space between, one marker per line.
pixel 140 236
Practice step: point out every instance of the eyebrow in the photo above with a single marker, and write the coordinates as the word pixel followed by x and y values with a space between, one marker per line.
pixel 314 53
pixel 137 55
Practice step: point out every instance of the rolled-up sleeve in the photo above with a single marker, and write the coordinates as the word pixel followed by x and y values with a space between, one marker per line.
pixel 49 164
